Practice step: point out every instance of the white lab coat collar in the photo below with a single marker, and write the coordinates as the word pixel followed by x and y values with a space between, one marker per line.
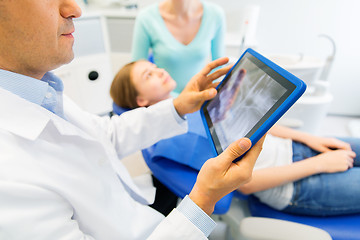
pixel 27 123
pixel 32 119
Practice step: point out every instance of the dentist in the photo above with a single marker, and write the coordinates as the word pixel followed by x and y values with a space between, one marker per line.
pixel 60 174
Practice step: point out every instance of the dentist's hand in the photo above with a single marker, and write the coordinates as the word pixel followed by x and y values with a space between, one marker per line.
pixel 219 176
pixel 200 88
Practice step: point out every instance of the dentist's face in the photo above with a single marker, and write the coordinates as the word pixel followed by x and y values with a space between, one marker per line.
pixel 153 84
pixel 36 35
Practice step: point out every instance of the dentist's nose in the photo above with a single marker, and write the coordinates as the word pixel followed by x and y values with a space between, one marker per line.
pixel 70 9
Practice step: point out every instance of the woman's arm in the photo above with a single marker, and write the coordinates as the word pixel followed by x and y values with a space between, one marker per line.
pixel 218 42
pixel 141 40
pixel 329 162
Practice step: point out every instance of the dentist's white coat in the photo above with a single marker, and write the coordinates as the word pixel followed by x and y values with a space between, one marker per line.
pixel 63 180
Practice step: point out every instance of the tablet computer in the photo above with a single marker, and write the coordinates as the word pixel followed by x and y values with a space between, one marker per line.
pixel 253 95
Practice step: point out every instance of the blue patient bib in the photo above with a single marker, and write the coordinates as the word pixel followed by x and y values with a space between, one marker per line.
pixel 191 149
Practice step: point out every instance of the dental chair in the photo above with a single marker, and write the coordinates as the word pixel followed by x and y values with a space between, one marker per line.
pixel 180 179
pixel 346 227
pixel 174 167
pixel 177 169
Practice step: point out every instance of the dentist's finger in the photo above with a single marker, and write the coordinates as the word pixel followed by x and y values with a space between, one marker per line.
pixel 214 64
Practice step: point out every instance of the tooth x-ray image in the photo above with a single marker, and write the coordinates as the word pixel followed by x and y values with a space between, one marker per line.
pixel 243 100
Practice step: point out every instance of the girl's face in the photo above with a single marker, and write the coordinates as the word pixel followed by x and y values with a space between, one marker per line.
pixel 153 84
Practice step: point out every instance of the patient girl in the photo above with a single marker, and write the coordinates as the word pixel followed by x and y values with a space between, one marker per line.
pixel 141 84
pixel 296 172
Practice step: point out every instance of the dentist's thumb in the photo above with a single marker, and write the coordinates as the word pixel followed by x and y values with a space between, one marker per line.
pixel 235 150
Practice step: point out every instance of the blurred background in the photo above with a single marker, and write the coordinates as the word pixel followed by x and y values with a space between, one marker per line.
pixel 316 40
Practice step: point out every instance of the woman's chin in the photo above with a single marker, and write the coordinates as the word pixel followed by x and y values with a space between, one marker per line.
pixel 173 86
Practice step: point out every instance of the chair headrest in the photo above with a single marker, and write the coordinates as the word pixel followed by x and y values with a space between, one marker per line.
pixel 119 110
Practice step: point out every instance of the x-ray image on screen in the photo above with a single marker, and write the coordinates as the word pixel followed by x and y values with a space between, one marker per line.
pixel 244 99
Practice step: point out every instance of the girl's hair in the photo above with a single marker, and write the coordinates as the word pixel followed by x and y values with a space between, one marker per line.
pixel 122 90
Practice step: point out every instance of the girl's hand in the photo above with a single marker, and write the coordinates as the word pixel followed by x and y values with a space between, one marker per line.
pixel 334 161
pixel 323 144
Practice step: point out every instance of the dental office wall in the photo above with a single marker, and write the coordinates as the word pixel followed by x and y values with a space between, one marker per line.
pixel 293 27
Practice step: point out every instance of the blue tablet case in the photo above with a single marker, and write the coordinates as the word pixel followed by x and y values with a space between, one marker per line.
pixel 275 116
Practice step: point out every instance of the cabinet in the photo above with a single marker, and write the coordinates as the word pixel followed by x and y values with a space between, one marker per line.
pixel 120 25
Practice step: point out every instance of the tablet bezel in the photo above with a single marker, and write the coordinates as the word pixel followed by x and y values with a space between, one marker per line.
pixel 294 89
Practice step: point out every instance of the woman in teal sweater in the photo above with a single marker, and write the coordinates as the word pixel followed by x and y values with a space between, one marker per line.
pixel 182 36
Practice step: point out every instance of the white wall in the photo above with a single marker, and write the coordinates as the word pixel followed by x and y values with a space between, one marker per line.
pixel 293 26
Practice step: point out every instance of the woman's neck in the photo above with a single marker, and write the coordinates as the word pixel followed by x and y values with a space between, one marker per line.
pixel 182 7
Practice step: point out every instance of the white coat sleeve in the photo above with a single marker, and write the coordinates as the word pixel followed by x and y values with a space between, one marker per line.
pixel 142 127
pixel 187 221
pixel 31 212
pixel 176 226
pixel 133 130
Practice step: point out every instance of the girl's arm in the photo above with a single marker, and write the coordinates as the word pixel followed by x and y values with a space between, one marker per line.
pixel 320 144
pixel 285 132
pixel 329 162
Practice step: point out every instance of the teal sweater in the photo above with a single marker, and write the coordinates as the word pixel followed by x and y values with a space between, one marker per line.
pixel 181 61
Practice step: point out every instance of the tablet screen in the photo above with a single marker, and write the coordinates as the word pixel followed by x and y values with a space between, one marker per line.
pixel 247 96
